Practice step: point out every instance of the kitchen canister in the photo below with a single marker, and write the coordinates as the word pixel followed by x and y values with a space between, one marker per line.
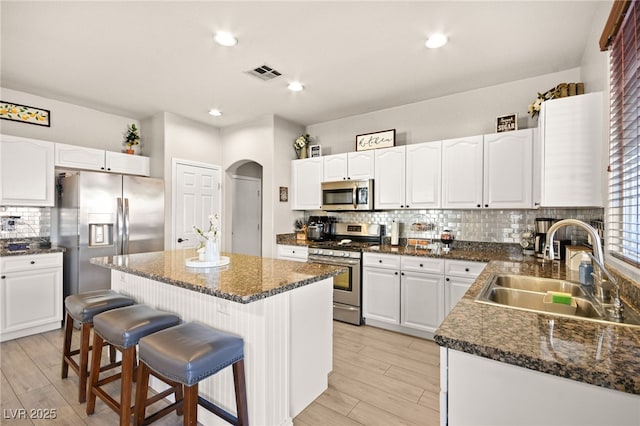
pixel 394 233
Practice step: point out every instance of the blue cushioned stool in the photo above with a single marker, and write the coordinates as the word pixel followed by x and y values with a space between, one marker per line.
pixel 123 328
pixel 189 353
pixel 80 309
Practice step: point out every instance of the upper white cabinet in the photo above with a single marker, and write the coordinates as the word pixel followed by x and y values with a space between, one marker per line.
pixel 571 151
pixel 508 170
pixel 27 174
pixel 306 178
pixel 351 165
pixel 462 173
pixel 408 177
pixel 490 171
pixel 79 157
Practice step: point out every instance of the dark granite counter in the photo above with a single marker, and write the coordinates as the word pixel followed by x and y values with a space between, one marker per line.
pixel 245 280
pixel 31 250
pixel 605 355
pixel 475 252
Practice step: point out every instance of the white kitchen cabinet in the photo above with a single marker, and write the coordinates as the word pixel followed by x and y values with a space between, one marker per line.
pixel 459 276
pixel 462 170
pixel 78 157
pixel 27 176
pixel 408 177
pixel 508 170
pixel 471 386
pixel 296 253
pixel 489 171
pixel 306 179
pixel 351 165
pixel 30 294
pixel 403 293
pixel 572 142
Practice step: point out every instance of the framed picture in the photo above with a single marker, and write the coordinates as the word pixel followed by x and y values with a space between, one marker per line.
pixel 25 114
pixel 284 193
pixel 382 139
pixel 315 151
pixel 507 123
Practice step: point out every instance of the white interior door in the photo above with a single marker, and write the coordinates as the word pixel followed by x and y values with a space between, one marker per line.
pixel 196 196
pixel 247 216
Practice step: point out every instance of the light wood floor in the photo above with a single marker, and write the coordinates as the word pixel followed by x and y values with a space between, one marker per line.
pixel 379 378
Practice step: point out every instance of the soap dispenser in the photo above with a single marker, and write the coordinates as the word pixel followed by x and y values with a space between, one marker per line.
pixel 585 269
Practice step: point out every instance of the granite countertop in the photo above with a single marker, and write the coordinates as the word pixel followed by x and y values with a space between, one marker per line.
pixel 606 355
pixel 245 280
pixel 32 250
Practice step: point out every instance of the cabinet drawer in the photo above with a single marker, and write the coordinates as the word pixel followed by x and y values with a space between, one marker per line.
pixel 463 268
pixel 422 264
pixel 30 262
pixel 296 252
pixel 387 261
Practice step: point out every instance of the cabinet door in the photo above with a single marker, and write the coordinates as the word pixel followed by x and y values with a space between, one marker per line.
pixel 79 157
pixel 571 132
pixel 306 177
pixel 335 167
pixel 30 299
pixel 381 295
pixel 462 173
pixel 422 301
pixel 26 172
pixel 389 178
pixel 455 288
pixel 361 165
pixel 423 178
pixel 126 163
pixel 508 170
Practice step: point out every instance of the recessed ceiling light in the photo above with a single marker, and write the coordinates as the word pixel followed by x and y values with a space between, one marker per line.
pixel 436 40
pixel 225 38
pixel 295 86
pixel 215 112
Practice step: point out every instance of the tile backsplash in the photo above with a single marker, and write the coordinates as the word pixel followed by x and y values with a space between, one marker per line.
pixel 502 226
pixel 33 222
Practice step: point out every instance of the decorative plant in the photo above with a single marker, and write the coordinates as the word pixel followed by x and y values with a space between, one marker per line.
pixel 132 136
pixel 212 231
pixel 534 108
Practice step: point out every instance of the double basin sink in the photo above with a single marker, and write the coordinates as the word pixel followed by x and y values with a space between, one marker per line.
pixel 528 293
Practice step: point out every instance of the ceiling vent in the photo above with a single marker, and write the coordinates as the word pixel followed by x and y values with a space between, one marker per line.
pixel 264 72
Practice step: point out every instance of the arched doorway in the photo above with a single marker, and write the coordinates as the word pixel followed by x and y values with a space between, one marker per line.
pixel 246 208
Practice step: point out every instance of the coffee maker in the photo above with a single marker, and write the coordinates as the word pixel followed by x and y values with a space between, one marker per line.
pixel 542 227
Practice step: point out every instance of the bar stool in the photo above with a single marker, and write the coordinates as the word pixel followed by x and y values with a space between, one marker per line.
pixel 81 308
pixel 123 328
pixel 189 353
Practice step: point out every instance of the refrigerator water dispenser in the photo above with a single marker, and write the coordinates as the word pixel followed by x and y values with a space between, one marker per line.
pixel 100 234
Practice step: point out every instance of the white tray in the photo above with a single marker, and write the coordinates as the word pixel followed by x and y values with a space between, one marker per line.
pixel 194 262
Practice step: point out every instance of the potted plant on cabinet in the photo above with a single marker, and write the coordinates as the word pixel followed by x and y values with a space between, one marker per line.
pixel 131 138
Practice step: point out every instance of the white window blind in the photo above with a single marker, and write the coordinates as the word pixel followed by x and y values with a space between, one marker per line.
pixel 624 148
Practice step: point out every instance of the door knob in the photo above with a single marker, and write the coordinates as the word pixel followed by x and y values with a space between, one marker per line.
pixel 182 239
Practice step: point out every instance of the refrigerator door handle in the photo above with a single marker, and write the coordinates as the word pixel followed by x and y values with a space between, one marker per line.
pixel 119 225
pixel 125 240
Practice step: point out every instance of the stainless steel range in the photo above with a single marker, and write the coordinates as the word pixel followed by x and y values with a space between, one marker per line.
pixel 345 249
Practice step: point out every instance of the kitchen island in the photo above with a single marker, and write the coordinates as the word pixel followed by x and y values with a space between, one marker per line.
pixel 513 367
pixel 282 309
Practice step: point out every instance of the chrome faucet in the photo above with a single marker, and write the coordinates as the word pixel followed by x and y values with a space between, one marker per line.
pixel 598 258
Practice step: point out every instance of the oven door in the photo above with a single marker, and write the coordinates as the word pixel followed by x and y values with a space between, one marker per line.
pixel 346 286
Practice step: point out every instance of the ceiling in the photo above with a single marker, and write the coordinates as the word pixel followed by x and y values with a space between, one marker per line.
pixel 136 59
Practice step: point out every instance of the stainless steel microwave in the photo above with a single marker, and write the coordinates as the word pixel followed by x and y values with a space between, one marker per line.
pixel 347 195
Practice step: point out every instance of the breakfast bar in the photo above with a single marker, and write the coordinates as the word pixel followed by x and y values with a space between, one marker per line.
pixel 282 310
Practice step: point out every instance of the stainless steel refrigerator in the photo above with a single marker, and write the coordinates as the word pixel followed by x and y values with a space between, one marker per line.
pixel 104 214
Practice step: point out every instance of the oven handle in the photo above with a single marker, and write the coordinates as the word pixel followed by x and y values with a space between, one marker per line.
pixel 334 261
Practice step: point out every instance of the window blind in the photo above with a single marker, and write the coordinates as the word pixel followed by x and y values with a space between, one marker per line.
pixel 624 148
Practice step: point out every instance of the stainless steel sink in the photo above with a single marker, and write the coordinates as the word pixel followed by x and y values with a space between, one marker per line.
pixel 527 293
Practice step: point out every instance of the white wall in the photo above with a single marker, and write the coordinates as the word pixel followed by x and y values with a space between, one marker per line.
pixel 251 141
pixel 72 124
pixel 462 114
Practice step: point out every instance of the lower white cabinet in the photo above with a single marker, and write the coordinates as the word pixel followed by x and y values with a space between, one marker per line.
pixel 30 294
pixel 297 253
pixel 459 275
pixel 412 294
